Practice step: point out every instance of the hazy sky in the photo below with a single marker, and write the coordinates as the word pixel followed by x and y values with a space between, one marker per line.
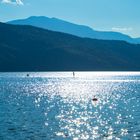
pixel 116 15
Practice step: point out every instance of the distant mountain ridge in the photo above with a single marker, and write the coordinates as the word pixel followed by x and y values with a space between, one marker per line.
pixel 28 48
pixel 55 24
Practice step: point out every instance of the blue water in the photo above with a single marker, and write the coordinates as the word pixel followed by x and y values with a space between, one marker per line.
pixel 57 106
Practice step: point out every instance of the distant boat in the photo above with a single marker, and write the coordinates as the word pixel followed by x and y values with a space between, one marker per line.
pixel 94 99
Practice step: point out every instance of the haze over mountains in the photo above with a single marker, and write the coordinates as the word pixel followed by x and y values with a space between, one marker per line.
pixel 28 48
pixel 74 29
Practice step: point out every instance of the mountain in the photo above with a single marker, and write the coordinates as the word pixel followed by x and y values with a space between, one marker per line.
pixel 137 39
pixel 28 48
pixel 74 29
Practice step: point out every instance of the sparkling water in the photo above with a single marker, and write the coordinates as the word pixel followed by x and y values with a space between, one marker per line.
pixel 58 106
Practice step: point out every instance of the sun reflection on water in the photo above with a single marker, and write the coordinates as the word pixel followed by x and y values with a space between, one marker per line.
pixel 63 108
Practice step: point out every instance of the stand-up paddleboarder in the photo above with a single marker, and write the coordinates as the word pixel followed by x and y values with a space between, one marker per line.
pixel 73 74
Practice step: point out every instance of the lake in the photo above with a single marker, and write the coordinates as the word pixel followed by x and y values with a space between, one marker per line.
pixel 58 106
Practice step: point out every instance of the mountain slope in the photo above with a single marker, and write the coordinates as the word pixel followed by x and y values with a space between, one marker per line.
pixel 67 27
pixel 27 48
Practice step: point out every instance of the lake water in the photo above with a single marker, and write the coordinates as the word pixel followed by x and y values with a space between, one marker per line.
pixel 58 106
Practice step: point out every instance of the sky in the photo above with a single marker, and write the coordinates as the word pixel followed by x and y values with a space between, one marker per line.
pixel 105 15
